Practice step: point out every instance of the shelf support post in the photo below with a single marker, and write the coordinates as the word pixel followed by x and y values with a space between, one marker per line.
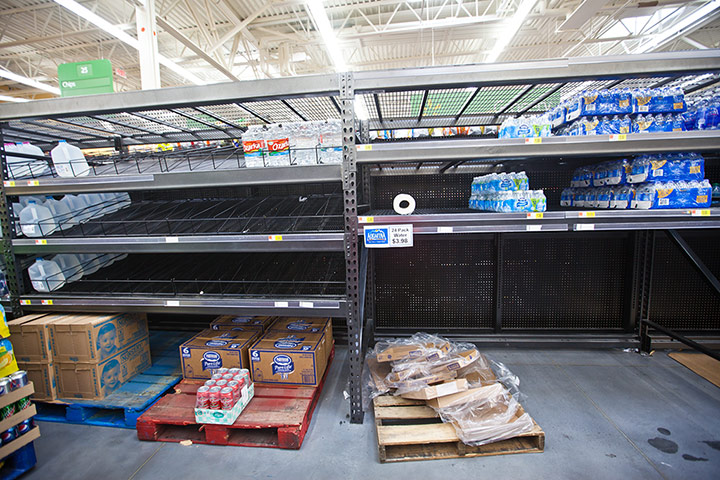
pixel 350 243
pixel 12 267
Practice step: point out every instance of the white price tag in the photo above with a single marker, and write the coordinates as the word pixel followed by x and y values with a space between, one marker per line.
pixel 171 239
pixel 585 226
pixel 172 303
pixel 700 213
pixel 281 304
pixel 533 228
pixel 444 229
pixel 307 305
pixel 390 236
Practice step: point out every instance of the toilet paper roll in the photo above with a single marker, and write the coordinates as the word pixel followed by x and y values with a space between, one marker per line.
pixel 400 200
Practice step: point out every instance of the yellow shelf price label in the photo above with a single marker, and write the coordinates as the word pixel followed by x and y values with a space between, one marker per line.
pixel 33 183
pixel 46 302
pixel 621 137
pixel 9 183
pixel 275 238
pixel 24 302
pixel 535 215
pixel 363 148
pixel 534 140
pixel 41 242
pixel 366 219
pixel 700 213
pixel 586 214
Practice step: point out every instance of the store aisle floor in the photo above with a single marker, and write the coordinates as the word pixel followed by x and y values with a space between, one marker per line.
pixel 606 414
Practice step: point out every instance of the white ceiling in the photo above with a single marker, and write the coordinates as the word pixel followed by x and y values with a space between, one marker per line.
pixel 260 39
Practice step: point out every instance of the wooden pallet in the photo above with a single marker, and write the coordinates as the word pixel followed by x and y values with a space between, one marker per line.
pixel 276 417
pixel 410 430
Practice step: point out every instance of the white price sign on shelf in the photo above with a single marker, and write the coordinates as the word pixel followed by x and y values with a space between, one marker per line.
pixel 388 236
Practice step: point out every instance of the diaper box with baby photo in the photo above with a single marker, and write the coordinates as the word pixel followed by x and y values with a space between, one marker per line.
pixel 94 338
pixel 31 338
pixel 97 380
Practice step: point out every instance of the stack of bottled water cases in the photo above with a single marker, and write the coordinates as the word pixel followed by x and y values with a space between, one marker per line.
pixel 702 112
pixel 673 180
pixel 302 143
pixel 526 127
pixel 619 111
pixel 506 192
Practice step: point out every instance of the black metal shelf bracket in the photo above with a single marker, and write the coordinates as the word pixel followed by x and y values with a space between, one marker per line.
pixel 352 264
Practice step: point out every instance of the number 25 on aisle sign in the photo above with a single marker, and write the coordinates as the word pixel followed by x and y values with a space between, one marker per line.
pixel 390 236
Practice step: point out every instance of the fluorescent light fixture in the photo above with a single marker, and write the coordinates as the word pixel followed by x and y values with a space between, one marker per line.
pixel 28 81
pixel 103 24
pixel 322 23
pixel 582 14
pixel 680 27
pixel 5 98
pixel 511 29
pixel 361 112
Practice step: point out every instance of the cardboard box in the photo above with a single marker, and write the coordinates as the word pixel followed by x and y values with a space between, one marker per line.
pixel 213 349
pixel 289 339
pixel 42 375
pixel 303 325
pixel 94 338
pixel 439 390
pixel 279 358
pixel 474 394
pixel 232 322
pixel 97 380
pixel 402 352
pixel 226 417
pixel 409 383
pixel 32 338
pixel 457 362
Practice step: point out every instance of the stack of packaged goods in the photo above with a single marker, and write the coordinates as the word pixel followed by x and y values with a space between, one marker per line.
pixel 222 398
pixel 16 410
pixel 702 112
pixel 302 143
pixel 526 127
pixel 506 192
pixel 673 180
pixel 478 397
pixel 81 356
pixel 619 111
pixel 294 351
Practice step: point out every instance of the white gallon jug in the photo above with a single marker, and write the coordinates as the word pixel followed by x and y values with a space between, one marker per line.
pixel 46 275
pixel 70 266
pixel 37 220
pixel 69 160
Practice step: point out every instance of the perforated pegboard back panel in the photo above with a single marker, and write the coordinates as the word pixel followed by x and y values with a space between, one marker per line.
pixel 436 285
pixel 565 281
pixel 680 298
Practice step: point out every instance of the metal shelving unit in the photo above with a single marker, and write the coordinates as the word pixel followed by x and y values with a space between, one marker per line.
pixel 489 269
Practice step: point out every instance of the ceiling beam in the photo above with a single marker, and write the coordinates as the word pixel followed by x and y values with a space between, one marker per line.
pixel 195 48
pixel 239 27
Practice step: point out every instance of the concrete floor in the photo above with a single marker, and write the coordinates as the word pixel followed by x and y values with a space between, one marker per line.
pixel 606 414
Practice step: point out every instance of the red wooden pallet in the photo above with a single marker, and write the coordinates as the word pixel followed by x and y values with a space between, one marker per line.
pixel 276 417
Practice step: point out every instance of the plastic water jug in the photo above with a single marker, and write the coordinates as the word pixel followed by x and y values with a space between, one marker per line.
pixel 24 199
pixel 70 266
pixel 76 207
pixel 90 263
pixel 37 220
pixel 46 275
pixel 123 199
pixel 36 167
pixel 61 213
pixel 95 205
pixel 69 160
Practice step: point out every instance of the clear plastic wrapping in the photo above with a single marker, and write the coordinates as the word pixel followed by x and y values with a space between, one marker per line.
pixel 485 415
pixel 488 411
